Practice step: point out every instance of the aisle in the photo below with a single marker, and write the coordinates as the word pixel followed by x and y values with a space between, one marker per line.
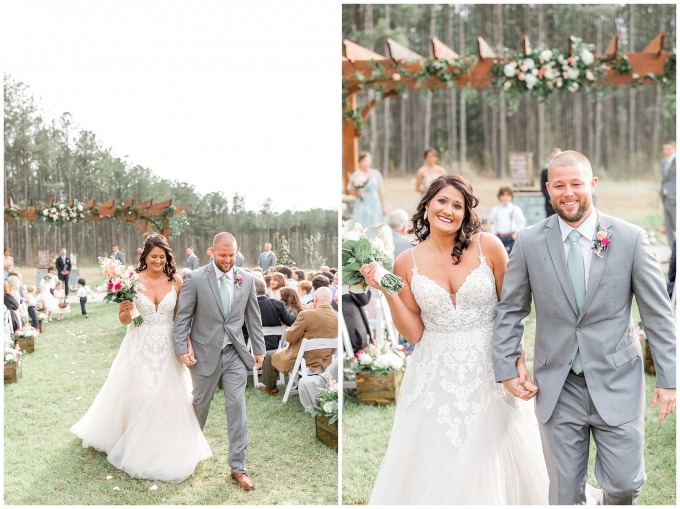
pixel 45 463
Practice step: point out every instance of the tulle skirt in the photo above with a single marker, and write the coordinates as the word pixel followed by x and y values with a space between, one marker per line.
pixel 149 432
pixel 499 463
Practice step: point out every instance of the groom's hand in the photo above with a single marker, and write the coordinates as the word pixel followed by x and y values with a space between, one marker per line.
pixel 259 360
pixel 185 359
pixel 667 399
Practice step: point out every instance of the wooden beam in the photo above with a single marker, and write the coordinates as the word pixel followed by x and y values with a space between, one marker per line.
pixel 129 203
pixel 656 45
pixel 350 145
pixel 613 46
pixel 367 109
pixel 109 203
pixel 146 204
pixel 441 50
pixel 570 43
pixel 89 204
pixel 526 47
pixel 484 51
pixel 354 52
pixel 179 210
pixel 160 206
pixel 11 203
pixel 400 52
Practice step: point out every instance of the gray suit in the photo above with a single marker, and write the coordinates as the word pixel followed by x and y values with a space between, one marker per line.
pixel 118 255
pixel 267 259
pixel 668 190
pixel 401 243
pixel 192 262
pixel 201 315
pixel 610 399
pixel 239 260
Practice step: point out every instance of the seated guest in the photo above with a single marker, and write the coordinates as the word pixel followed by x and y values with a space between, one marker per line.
pixel 289 277
pixel 310 275
pixel 356 319
pixel 290 299
pixel 334 284
pixel 397 222
pixel 305 292
pixel 267 283
pixel 273 313
pixel 324 268
pixel 277 282
pixel 320 322
pixel 670 285
pixel 298 275
pixel 310 386
pixel 333 270
pixel 321 281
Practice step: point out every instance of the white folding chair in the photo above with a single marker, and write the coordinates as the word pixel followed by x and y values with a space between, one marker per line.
pixel 392 333
pixel 349 352
pixel 376 319
pixel 300 368
pixel 269 331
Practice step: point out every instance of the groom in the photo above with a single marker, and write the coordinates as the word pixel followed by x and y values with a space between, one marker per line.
pixel 214 303
pixel 587 357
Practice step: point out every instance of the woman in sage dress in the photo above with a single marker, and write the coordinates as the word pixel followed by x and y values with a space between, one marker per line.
pixel 369 207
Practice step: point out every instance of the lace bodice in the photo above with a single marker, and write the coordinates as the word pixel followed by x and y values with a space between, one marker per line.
pixel 451 370
pixel 151 344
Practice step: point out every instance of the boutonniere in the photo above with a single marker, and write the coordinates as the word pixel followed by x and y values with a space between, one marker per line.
pixel 602 240
pixel 237 279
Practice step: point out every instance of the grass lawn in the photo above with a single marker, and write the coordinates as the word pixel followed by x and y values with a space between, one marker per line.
pixel 366 432
pixel 46 464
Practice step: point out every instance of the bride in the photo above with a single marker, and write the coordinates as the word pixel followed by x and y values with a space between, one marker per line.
pixel 143 417
pixel 458 437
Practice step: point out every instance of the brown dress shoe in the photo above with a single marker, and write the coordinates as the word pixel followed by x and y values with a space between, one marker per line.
pixel 275 390
pixel 244 481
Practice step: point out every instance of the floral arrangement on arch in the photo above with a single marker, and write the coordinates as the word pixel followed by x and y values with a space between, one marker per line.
pixel 13 355
pixel 62 213
pixel 26 332
pixel 326 402
pixel 379 360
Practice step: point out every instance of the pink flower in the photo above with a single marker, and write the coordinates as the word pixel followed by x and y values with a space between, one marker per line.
pixel 541 72
pixel 396 76
pixel 601 235
pixel 119 286
pixel 110 285
pixel 523 67
pixel 520 76
pixel 605 241
pixel 635 76
pixel 571 59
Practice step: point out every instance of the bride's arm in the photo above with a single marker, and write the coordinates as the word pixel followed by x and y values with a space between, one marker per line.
pixel 405 310
pixel 124 309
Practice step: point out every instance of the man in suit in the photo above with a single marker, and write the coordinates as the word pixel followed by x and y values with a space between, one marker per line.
pixel 267 259
pixel 273 313
pixel 118 255
pixel 63 263
pixel 668 189
pixel 549 211
pixel 320 322
pixel 397 222
pixel 239 257
pixel 209 253
pixel 214 304
pixel 582 269
pixel 192 259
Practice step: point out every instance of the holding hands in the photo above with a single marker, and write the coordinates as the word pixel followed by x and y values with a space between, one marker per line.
pixel 188 358
pixel 522 386
pixel 666 398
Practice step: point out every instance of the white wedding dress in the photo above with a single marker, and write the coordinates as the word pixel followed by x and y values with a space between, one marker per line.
pixel 459 437
pixel 143 417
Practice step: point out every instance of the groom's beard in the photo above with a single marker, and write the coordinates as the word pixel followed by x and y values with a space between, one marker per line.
pixel 583 206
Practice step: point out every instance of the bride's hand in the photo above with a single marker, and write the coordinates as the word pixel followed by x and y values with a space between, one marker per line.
pixel 190 353
pixel 524 382
pixel 126 305
pixel 368 271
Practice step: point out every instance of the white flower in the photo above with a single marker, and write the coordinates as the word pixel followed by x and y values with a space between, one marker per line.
pixel 353 235
pixel 377 244
pixel 559 83
pixel 590 76
pixel 365 359
pixel 561 59
pixel 45 212
pixel 507 84
pixel 529 63
pixel 546 54
pixel 534 71
pixel 550 73
pixel 382 361
pixel 587 57
pixel 573 87
pixel 510 69
pixel 80 208
pixel 573 73
pixel 395 361
pixel 328 407
pixel 530 80
pixel 61 206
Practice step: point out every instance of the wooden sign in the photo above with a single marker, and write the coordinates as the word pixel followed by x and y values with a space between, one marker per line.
pixel 521 169
pixel 43 259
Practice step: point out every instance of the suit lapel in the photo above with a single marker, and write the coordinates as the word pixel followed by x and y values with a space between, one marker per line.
pixel 212 281
pixel 597 266
pixel 553 237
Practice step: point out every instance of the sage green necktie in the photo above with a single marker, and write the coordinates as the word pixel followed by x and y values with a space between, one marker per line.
pixel 577 274
pixel 224 293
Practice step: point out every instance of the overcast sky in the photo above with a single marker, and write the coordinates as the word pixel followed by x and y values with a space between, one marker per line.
pixel 230 96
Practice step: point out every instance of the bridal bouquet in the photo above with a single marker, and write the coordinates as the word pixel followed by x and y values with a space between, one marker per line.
pixel 359 181
pixel 360 247
pixel 120 284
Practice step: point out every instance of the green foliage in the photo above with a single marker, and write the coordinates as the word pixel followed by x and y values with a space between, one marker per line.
pixel 283 251
pixel 312 248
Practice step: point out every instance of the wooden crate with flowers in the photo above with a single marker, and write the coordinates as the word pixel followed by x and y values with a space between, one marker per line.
pixel 43 318
pixel 25 338
pixel 12 365
pixel 378 373
pixel 325 408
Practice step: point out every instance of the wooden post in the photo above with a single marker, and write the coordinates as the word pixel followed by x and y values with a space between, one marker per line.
pixel 350 145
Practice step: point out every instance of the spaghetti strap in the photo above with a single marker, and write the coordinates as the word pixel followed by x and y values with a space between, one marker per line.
pixel 414 258
pixel 479 240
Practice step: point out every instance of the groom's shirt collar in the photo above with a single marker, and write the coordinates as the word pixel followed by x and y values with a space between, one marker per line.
pixel 587 227
pixel 218 272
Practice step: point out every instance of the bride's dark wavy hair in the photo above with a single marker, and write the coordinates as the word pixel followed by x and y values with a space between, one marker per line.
pixel 158 240
pixel 420 226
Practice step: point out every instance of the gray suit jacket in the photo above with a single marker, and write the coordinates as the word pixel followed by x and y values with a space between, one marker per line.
pixel 668 181
pixel 604 332
pixel 201 315
pixel 192 262
pixel 401 243
pixel 267 259
pixel 118 255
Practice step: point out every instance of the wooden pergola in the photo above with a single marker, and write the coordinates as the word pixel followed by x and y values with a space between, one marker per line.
pixel 359 59
pixel 141 217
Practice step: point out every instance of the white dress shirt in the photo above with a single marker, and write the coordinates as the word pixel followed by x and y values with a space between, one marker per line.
pixel 506 219
pixel 587 231
pixel 230 282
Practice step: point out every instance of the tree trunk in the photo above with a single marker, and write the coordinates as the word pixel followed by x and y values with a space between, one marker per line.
pixel 502 120
pixel 451 100
pixel 463 113
pixel 386 120
pixel 428 99
pixel 631 92
pixel 402 135
pixel 656 120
